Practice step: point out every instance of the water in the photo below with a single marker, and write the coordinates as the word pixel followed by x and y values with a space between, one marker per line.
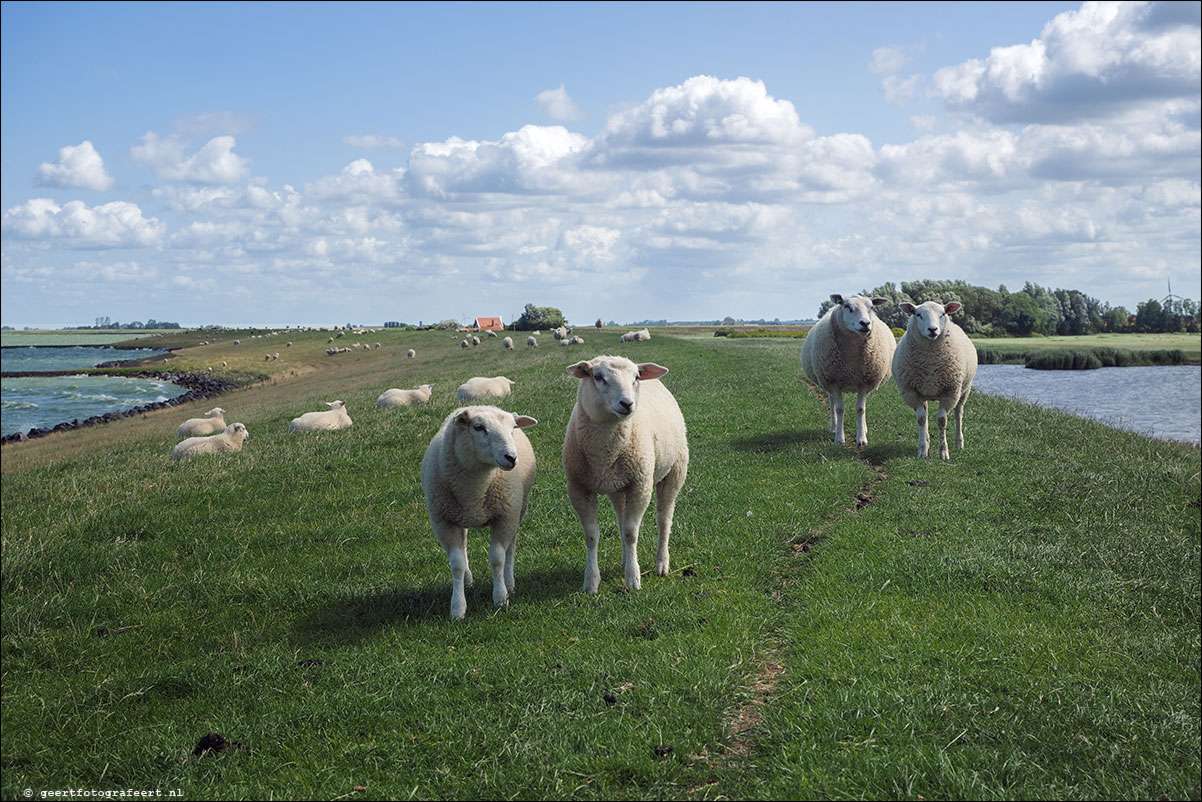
pixel 44 401
pixel 31 358
pixel 1163 402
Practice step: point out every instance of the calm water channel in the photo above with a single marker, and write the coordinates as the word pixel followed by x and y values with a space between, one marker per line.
pixel 1163 402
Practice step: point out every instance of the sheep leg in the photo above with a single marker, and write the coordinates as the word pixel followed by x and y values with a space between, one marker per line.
pixel 454 542
pixel 636 503
pixel 941 417
pixel 618 502
pixel 665 507
pixel 509 584
pixel 862 418
pixel 960 423
pixel 585 504
pixel 924 438
pixel 498 556
pixel 837 416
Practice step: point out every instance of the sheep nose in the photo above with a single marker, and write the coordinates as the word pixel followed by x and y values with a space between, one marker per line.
pixel 865 325
pixel 509 459
pixel 934 330
pixel 626 406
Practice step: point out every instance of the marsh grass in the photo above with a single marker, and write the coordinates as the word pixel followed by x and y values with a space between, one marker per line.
pixel 1019 622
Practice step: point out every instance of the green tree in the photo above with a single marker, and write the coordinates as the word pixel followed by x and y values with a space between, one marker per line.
pixel 539 317
pixel 1019 314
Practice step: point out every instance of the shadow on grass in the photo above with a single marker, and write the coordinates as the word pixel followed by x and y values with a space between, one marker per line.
pixel 353 618
pixel 772 442
pixel 879 455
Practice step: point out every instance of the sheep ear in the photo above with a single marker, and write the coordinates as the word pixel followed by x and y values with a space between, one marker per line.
pixel 909 309
pixel 650 370
pixel 837 299
pixel 463 419
pixel 879 301
pixel 581 370
pixel 952 308
pixel 523 421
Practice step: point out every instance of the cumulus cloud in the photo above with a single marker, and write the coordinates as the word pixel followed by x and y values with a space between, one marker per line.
pixel 557 104
pixel 214 163
pixel 78 167
pixel 1096 62
pixel 116 224
pixel 371 141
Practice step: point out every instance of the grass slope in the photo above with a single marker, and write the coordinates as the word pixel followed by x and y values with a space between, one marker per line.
pixel 1020 622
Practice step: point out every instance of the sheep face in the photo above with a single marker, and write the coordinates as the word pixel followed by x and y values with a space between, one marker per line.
pixel 237 431
pixel 855 313
pixel 215 412
pixel 929 320
pixel 335 404
pixel 485 435
pixel 609 387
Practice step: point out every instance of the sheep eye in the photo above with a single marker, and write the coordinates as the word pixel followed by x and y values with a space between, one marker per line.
pixel 599 377
pixel 478 427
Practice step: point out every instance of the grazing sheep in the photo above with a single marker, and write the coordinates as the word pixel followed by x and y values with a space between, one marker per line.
pixel 225 364
pixel 561 333
pixel 333 418
pixel 378 346
pixel 276 355
pixel 475 340
pixel 849 351
pixel 404 398
pixel 230 439
pixel 492 333
pixel 507 343
pixel 478 388
pixel 237 342
pixel 477 472
pixel 213 421
pixel 935 360
pixel 411 353
pixel 266 357
pixel 531 342
pixel 464 344
pixel 330 340
pixel 626 436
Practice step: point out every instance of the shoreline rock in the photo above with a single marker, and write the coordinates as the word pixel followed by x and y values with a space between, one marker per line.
pixel 197 386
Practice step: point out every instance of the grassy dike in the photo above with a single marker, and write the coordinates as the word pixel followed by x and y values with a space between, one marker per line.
pixel 1021 622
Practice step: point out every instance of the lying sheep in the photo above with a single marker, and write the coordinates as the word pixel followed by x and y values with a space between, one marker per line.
pixel 565 342
pixel 629 337
pixel 333 418
pixel 478 388
pixel 477 472
pixel 576 340
pixel 935 360
pixel 626 436
pixel 404 398
pixel 849 351
pixel 410 353
pixel 230 439
pixel 507 343
pixel 213 421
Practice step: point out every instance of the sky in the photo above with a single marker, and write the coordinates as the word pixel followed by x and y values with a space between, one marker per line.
pixel 328 163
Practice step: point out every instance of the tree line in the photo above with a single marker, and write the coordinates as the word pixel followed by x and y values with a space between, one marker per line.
pixel 108 323
pixel 1031 310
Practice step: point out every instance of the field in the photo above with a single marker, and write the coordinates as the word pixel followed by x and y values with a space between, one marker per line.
pixel 1191 344
pixel 1020 622
pixel 18 338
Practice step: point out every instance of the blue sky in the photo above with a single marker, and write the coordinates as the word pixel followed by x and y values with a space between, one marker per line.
pixel 323 163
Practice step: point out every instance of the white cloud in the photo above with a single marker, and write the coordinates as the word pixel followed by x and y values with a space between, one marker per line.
pixel 78 167
pixel 557 104
pixel 1095 62
pixel 214 163
pixel 116 224
pixel 370 141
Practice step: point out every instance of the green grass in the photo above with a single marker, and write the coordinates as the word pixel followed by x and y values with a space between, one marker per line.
pixel 1190 344
pixel 23 338
pixel 1019 622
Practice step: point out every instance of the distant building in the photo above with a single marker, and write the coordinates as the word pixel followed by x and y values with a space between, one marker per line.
pixel 489 324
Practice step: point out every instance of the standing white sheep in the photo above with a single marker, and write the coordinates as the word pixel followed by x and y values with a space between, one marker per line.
pixel 849 351
pixel 507 343
pixel 626 437
pixel 935 360
pixel 411 353
pixel 333 418
pixel 213 421
pixel 477 472
pixel 531 342
pixel 229 440
pixel 404 398
pixel 478 388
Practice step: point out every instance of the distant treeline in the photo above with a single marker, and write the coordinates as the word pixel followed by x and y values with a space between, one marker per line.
pixel 1080 358
pixel 1032 310
pixel 107 323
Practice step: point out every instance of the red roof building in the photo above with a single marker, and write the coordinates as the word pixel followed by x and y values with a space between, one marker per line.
pixel 489 323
